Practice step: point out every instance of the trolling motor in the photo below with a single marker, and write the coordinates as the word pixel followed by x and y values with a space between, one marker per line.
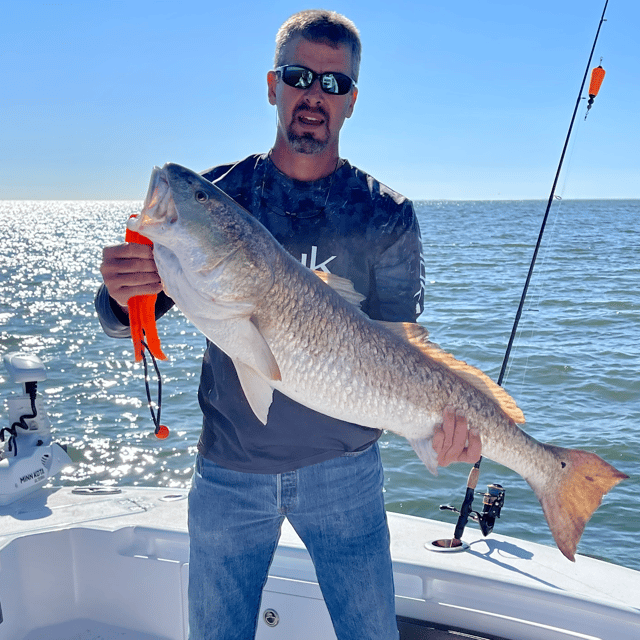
pixel 29 456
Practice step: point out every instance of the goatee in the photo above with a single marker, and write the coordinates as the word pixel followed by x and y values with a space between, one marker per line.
pixel 306 143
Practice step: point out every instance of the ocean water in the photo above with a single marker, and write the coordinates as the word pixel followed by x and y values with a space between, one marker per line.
pixel 574 369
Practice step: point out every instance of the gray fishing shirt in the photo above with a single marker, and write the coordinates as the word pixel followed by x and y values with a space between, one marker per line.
pixel 347 224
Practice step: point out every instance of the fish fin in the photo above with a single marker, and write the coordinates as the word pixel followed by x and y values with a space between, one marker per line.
pixel 261 353
pixel 425 451
pixel 257 390
pixel 408 331
pixel 242 341
pixel 343 286
pixel 417 336
pixel 574 493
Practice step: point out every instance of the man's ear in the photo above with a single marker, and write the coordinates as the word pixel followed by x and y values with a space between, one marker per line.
pixel 272 81
pixel 354 97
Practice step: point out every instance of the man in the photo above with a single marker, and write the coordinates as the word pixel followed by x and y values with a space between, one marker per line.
pixel 324 475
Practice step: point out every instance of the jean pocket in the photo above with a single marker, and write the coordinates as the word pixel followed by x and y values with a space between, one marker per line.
pixel 360 452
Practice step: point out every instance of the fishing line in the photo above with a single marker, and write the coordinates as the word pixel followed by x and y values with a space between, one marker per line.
pixel 465 510
pixel 535 298
pixel 537 287
pixel 546 214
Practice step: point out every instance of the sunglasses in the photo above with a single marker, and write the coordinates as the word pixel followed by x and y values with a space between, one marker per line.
pixel 332 82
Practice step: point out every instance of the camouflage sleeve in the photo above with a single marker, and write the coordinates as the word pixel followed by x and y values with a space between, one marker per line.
pixel 399 274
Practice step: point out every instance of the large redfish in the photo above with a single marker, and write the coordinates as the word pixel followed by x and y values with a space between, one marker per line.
pixel 286 329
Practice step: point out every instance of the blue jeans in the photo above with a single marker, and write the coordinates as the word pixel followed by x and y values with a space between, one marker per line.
pixel 337 509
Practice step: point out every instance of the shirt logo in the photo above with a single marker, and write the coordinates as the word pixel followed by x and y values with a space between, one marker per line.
pixel 313 265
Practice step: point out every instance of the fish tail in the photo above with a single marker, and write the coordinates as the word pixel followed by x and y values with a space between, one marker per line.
pixel 571 495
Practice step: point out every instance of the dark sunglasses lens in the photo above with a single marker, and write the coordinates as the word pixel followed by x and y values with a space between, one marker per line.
pixel 336 83
pixel 298 77
pixel 302 78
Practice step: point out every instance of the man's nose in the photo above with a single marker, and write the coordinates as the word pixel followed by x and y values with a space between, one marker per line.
pixel 314 92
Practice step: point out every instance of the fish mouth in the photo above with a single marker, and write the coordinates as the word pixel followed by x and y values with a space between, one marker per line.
pixel 159 210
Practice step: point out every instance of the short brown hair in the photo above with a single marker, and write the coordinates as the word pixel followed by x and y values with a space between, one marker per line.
pixel 326 27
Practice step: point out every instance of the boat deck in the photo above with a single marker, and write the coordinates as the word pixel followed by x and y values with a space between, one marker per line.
pixel 91 565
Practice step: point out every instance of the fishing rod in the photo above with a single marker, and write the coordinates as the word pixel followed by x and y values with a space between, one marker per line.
pixel 493 499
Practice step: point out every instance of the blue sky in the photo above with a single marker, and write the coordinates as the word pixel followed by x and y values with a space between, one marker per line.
pixel 458 100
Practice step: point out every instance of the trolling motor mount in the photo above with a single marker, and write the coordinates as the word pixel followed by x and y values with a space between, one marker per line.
pixel 29 457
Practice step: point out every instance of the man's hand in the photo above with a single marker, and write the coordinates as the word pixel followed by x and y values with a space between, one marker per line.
pixel 450 439
pixel 129 270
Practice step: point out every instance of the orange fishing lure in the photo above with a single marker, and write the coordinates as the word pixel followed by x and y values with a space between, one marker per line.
pixel 142 313
pixel 142 318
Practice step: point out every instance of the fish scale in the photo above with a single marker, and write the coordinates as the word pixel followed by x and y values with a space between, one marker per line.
pixel 341 358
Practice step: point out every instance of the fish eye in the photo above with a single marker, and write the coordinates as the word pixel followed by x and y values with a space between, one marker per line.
pixel 201 196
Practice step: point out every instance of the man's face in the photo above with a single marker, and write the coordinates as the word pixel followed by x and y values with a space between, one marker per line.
pixel 310 119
